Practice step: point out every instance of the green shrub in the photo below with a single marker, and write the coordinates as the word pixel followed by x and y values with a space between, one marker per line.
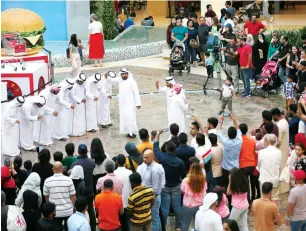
pixel 295 36
pixel 105 11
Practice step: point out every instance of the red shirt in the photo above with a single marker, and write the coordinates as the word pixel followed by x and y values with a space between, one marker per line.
pixel 244 53
pixel 108 204
pixel 247 156
pixel 254 28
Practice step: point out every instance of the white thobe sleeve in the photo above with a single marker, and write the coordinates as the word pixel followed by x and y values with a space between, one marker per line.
pixel 162 90
pixel 74 97
pixel 27 113
pixel 10 116
pixel 136 94
pixel 48 110
pixel 88 93
pixel 182 104
pixel 62 101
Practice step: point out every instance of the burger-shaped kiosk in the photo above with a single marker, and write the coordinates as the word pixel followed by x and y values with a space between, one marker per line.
pixel 24 67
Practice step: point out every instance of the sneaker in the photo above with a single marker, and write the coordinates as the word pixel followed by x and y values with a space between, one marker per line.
pixel 246 95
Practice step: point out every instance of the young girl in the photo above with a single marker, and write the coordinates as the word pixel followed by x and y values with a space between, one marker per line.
pixel 289 91
pixel 228 93
pixel 238 188
pixel 75 58
pixel 222 207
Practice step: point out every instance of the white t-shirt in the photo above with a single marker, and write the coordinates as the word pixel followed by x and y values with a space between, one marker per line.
pixel 124 174
pixel 95 27
pixel 208 220
pixel 227 90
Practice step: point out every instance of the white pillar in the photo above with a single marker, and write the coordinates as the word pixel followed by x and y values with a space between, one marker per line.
pixel 216 4
pixel 78 15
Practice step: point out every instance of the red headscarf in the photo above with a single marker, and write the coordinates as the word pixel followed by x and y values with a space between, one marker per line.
pixel 300 138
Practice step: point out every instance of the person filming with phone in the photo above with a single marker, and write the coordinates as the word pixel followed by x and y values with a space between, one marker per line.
pixel 8 184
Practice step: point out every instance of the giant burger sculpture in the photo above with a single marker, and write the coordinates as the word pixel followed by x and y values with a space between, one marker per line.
pixel 21 32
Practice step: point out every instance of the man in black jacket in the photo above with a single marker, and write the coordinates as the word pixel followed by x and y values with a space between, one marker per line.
pixel 184 151
pixel 47 223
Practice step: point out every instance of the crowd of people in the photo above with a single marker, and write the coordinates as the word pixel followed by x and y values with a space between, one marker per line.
pixel 216 180
pixel 243 43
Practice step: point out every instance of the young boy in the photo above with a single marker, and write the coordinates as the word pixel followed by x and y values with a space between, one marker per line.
pixel 28 166
pixel 70 158
pixel 289 91
pixel 176 55
pixel 209 65
pixel 228 93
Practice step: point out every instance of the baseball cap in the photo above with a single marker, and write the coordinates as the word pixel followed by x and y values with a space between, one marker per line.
pixel 299 174
pixel 82 149
pixel 303 63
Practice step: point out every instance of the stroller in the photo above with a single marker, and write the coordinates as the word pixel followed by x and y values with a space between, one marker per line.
pixel 178 60
pixel 267 81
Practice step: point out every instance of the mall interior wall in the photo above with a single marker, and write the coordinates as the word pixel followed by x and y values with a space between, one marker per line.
pixel 62 18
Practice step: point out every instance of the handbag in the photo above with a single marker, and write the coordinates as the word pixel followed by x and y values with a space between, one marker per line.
pixel 193 43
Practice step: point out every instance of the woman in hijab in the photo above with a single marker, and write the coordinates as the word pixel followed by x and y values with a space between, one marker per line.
pixel 260 53
pixel 250 40
pixel 31 210
pixel 32 183
pixel 134 159
pixel 77 176
pixel 21 175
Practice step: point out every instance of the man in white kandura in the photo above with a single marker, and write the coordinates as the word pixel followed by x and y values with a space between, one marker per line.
pixel 129 100
pixel 178 108
pixel 77 125
pixel 105 95
pixel 11 125
pixel 43 128
pixel 92 87
pixel 31 111
pixel 168 90
pixel 60 131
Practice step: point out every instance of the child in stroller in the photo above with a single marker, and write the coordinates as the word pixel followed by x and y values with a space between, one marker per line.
pixel 268 80
pixel 177 59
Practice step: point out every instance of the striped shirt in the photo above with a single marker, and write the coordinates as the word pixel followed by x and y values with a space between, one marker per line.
pixel 59 188
pixel 139 204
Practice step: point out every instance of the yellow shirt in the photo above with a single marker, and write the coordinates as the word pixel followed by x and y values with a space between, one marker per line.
pixel 144 145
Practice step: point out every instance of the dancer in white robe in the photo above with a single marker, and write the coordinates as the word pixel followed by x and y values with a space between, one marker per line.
pixel 60 131
pixel 77 125
pixel 105 95
pixel 10 128
pixel 31 111
pixel 177 108
pixel 92 87
pixel 129 100
pixel 46 124
pixel 168 91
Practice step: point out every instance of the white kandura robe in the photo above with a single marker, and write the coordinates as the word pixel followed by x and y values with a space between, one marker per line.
pixel 169 92
pixel 129 98
pixel 283 138
pixel 103 113
pixel 29 114
pixel 43 128
pixel 60 130
pixel 177 109
pixel 10 129
pixel 77 125
pixel 91 91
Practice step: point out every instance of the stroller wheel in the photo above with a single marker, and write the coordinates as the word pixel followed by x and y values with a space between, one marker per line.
pixel 15 68
pixel 188 69
pixel 170 70
pixel 2 66
pixel 254 93
pixel 181 72
pixel 266 94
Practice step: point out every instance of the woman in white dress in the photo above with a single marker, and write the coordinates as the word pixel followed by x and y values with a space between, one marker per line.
pixel 178 107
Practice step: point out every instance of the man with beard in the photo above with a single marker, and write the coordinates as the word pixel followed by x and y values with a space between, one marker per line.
pixel 43 129
pixel 129 100
pixel 60 131
pixel 92 88
pixel 77 127
pixel 10 133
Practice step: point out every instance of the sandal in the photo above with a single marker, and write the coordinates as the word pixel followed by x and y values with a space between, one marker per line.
pixel 95 65
pixel 101 65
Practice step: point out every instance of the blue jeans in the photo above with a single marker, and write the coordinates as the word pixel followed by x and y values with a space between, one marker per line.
pixel 188 214
pixel 172 196
pixel 246 75
pixel 192 54
pixel 156 225
pixel 298 225
pixel 282 74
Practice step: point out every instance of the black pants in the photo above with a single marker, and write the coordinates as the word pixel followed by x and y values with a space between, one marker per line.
pixel 224 183
pixel 255 187
pixel 248 171
pixel 125 220
pixel 91 212
pixel 59 221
